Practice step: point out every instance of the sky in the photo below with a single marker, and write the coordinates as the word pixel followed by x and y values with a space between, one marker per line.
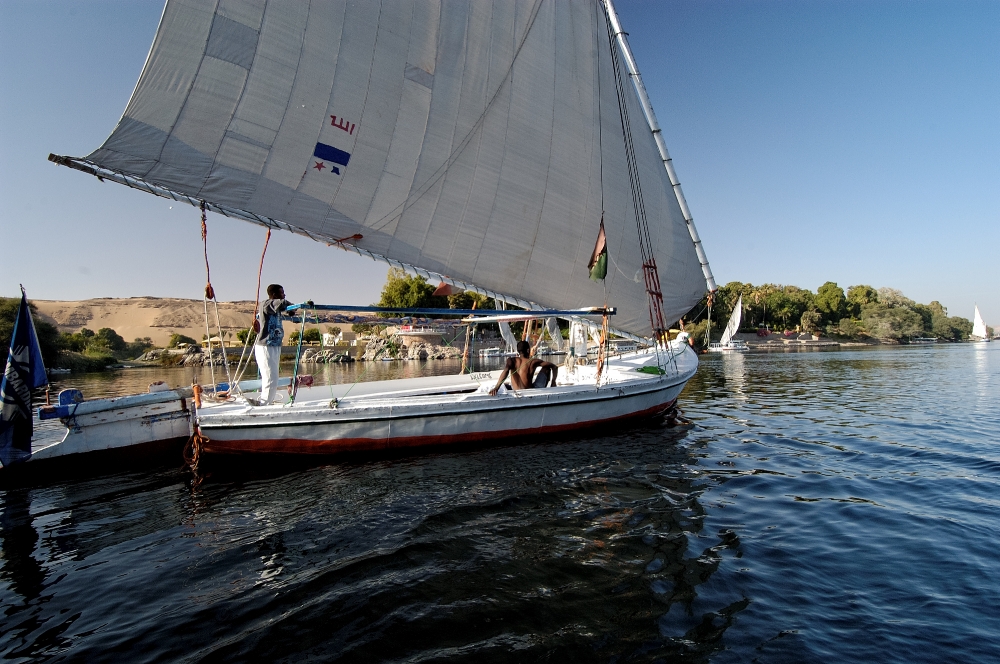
pixel 848 141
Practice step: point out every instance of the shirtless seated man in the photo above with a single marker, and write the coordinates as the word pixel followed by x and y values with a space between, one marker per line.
pixel 522 368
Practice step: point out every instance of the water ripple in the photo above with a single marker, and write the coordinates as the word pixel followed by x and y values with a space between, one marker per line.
pixel 823 507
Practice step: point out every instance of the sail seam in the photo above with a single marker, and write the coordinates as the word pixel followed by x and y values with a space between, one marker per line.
pixel 187 95
pixel 243 91
pixel 435 177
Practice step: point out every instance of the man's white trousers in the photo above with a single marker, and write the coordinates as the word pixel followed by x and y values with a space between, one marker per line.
pixel 267 362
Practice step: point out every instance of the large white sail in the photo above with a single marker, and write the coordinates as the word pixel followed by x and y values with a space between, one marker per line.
pixel 477 141
pixel 979 326
pixel 734 322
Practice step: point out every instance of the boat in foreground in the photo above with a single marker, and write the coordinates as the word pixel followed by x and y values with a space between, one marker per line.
pixel 443 410
pixel 439 140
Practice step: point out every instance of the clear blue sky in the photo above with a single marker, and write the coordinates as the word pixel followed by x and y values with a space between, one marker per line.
pixel 849 141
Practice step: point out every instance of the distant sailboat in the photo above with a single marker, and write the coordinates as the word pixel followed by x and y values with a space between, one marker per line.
pixel 728 342
pixel 979 332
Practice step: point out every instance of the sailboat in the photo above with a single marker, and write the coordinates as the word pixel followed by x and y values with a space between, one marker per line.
pixel 979 331
pixel 728 342
pixel 479 145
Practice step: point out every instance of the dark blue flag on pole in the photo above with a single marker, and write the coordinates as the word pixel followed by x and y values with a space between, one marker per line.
pixel 25 372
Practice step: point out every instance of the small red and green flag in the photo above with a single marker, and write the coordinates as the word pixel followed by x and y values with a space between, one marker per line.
pixel 598 265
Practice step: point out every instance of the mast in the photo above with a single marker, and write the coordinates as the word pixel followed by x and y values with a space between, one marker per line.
pixel 654 127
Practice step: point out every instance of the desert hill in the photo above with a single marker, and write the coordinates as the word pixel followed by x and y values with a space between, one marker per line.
pixel 153 317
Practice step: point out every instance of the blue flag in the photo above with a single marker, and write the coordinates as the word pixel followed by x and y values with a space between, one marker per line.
pixel 330 153
pixel 25 372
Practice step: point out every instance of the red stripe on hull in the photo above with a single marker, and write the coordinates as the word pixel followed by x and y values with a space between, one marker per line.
pixel 306 446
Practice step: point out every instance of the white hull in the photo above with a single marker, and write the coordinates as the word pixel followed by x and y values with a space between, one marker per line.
pixel 728 347
pixel 444 410
pixel 136 424
pixel 104 425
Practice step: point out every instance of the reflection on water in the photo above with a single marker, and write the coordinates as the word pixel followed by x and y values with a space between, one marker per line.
pixel 733 370
pixel 826 506
pixel 135 381
pixel 20 569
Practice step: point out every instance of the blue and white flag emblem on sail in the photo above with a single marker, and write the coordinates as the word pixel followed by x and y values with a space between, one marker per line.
pixel 327 153
pixel 25 372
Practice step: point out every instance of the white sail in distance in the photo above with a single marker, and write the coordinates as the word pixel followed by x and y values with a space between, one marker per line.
pixel 734 322
pixel 979 325
pixel 478 142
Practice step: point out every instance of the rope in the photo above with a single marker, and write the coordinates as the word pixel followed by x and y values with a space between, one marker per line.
pixel 601 349
pixel 244 356
pixel 295 373
pixel 210 295
pixel 260 271
pixel 209 291
pixel 193 449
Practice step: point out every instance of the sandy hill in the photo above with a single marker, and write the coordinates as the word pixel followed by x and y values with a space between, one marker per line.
pixel 153 317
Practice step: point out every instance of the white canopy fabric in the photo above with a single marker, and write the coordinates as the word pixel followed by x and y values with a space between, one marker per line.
pixel 478 141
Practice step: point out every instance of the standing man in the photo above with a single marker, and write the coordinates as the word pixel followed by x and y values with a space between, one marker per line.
pixel 267 350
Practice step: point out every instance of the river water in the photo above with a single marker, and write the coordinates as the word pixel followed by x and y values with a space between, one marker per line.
pixel 823 506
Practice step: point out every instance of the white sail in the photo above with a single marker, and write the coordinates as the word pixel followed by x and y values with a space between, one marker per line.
pixel 979 326
pixel 479 142
pixel 734 322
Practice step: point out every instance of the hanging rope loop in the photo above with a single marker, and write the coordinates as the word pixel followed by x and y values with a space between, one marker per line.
pixel 209 291
pixel 193 449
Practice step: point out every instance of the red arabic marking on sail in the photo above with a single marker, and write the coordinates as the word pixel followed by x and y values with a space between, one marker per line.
pixel 342 124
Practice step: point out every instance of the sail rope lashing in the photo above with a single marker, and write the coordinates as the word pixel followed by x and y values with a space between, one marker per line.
pixel 210 295
pixel 650 271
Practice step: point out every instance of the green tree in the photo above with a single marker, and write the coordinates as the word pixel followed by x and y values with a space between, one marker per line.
pixel 961 328
pixel 242 335
pixel 859 296
pixel 403 290
pixel 334 330
pixel 926 316
pixel 49 341
pixel 849 328
pixel 138 347
pixel 312 335
pixel 178 339
pixel 108 338
pixel 891 323
pixel 726 298
pixel 893 297
pixel 831 302
pixel 810 321
pixel 788 303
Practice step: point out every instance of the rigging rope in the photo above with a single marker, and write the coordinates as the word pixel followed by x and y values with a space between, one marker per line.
pixel 650 270
pixel 294 387
pixel 240 367
pixel 210 295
